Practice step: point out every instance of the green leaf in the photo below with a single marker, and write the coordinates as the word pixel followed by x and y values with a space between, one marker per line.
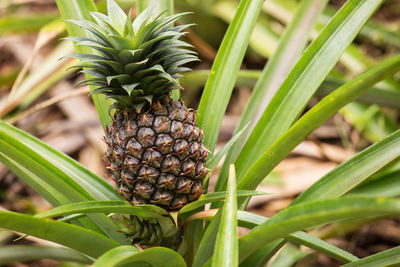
pixel 79 9
pixel 291 44
pixel 226 245
pixel 94 185
pixel 123 207
pixel 83 240
pixel 220 83
pixel 12 23
pixel 21 253
pixel 116 15
pixel 217 196
pixel 288 256
pixel 57 170
pixel 156 256
pixel 387 186
pixel 215 159
pixel 314 118
pixel 53 196
pixel 260 257
pixel 304 79
pixel 389 257
pixel 354 171
pixel 311 214
pixel 207 243
pixel 248 78
pixel 251 220
pixel 129 87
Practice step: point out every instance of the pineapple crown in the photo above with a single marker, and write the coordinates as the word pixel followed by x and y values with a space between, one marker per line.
pixel 138 62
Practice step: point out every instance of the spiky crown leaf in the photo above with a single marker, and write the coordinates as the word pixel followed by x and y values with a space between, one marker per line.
pixel 138 61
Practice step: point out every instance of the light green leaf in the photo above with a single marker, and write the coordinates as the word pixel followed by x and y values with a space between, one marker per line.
pixel 83 240
pixel 22 253
pixel 304 79
pixel 312 119
pixel 290 46
pixel 220 83
pixel 288 256
pixel 386 186
pixel 226 245
pixel 215 159
pixel 217 196
pixel 389 257
pixel 57 170
pixel 54 197
pixel 207 243
pixel 251 220
pixel 260 257
pixel 117 16
pixel 311 214
pixel 124 255
pixel 355 170
pixel 79 9
pixel 123 207
pixel 94 185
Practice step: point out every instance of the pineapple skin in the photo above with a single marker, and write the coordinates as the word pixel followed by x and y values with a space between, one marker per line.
pixel 156 156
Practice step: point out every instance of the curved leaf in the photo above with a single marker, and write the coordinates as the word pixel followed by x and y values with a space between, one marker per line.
pixel 304 79
pixel 217 196
pixel 207 243
pixel 123 207
pixel 313 118
pixel 23 253
pixel 93 184
pixel 220 83
pixel 314 213
pixel 355 170
pixel 215 159
pixel 290 46
pixel 385 258
pixel 251 220
pixel 157 256
pixel 226 245
pixel 83 240
pixel 80 9
pixel 60 172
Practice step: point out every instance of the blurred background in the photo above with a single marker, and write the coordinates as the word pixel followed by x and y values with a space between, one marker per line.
pixel 37 95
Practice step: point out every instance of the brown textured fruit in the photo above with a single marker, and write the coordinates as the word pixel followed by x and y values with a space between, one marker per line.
pixel 157 156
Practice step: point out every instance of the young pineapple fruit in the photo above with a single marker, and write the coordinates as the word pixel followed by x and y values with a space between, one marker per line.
pixel 154 148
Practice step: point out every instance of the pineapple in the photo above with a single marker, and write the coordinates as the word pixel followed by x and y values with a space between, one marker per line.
pixel 154 148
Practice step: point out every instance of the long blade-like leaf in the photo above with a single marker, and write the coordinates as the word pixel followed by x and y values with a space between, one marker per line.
pixel 128 255
pixel 10 254
pixel 352 172
pixel 207 243
pixel 215 159
pixel 314 213
pixel 80 9
pixel 75 237
pixel 143 211
pixel 312 119
pixel 28 151
pixel 54 197
pixel 386 186
pixel 220 83
pixel 304 79
pixel 217 196
pixel 389 257
pixel 226 246
pixel 290 45
pixel 251 220
pixel 93 184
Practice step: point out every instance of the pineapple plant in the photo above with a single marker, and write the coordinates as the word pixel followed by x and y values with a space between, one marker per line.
pixel 137 65
pixel 154 148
